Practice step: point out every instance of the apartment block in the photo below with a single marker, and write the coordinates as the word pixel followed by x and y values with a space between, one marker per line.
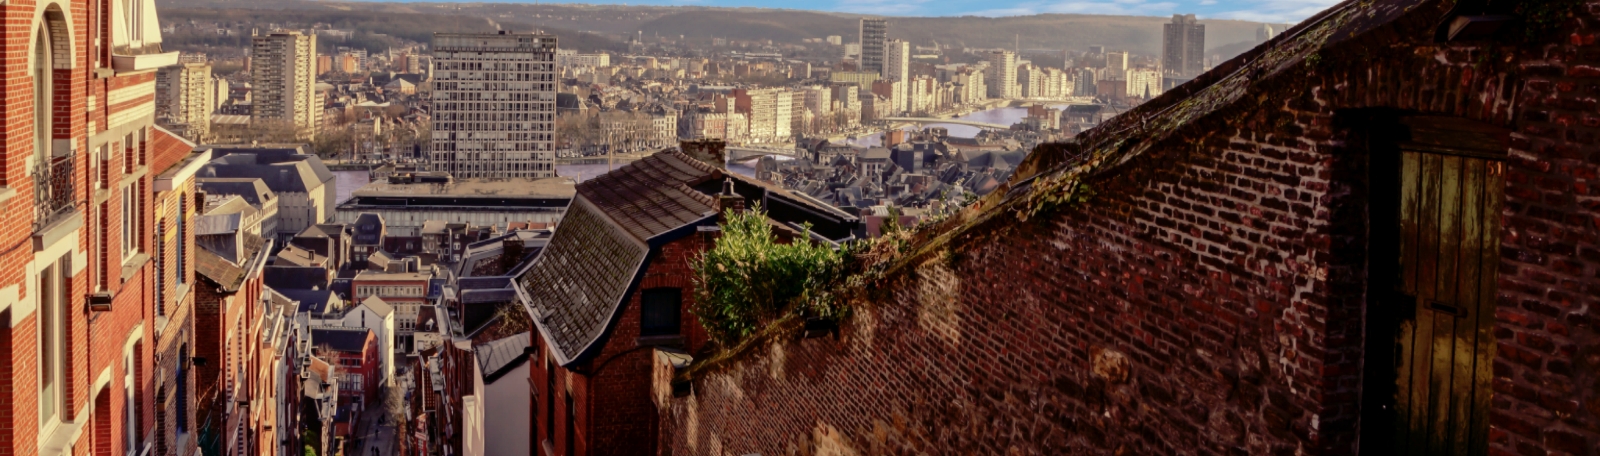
pixel 1183 46
pixel 874 35
pixel 184 100
pixel 494 105
pixel 1002 75
pixel 283 77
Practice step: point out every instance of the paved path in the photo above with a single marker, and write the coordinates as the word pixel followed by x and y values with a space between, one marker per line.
pixel 376 432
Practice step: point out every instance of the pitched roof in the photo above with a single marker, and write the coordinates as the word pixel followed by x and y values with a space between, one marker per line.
pixel 281 170
pixel 578 282
pixel 576 285
pixel 377 305
pixel 652 195
pixel 315 301
pixel 348 340
pixel 497 357
pixel 253 190
pixel 217 269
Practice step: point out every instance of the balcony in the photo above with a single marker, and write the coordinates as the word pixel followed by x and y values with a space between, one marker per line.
pixel 52 191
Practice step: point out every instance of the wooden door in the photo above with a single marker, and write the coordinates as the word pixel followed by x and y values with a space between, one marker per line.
pixel 1449 252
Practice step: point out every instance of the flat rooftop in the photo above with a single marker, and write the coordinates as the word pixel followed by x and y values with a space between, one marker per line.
pixel 551 187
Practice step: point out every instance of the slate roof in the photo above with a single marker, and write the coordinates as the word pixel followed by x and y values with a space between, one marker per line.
pixel 284 277
pixel 497 357
pixel 217 269
pixel 315 301
pixel 653 195
pixel 283 170
pixel 348 340
pixel 294 255
pixel 206 225
pixel 253 190
pixel 576 285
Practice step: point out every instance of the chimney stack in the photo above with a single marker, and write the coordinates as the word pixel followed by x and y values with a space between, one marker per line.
pixel 729 200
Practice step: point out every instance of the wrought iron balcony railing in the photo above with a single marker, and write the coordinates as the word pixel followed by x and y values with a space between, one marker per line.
pixel 52 190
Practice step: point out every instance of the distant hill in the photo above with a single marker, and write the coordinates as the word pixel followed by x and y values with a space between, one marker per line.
pixel 372 27
pixel 1139 34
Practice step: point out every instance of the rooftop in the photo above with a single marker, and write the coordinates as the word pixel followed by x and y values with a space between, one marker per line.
pixel 553 187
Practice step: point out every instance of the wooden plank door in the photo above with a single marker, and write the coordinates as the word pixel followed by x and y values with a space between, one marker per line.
pixel 1449 255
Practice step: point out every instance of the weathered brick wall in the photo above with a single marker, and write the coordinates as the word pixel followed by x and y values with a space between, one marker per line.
pixel 612 392
pixel 1209 297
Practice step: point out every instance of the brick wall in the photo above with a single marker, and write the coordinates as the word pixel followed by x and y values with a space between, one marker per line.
pixel 611 392
pixel 1209 297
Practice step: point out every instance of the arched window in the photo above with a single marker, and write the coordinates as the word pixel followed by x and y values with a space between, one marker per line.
pixel 42 82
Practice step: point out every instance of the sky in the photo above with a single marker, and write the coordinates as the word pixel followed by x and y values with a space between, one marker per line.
pixel 1272 11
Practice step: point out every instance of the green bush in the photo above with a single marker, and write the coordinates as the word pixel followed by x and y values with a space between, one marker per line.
pixel 750 278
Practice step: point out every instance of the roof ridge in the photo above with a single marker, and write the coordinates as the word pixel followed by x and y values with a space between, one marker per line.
pixel 696 163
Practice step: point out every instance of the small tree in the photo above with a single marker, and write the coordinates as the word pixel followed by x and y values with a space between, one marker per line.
pixel 751 278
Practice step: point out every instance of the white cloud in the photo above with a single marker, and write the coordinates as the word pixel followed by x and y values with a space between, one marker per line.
pixel 1207 2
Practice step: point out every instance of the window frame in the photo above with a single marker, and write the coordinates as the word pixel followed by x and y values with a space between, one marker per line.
pixel 655 297
pixel 52 326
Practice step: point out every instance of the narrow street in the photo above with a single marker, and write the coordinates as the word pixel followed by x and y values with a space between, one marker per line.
pixel 376 434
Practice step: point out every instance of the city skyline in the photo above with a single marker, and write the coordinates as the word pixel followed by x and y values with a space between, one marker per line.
pixel 1272 11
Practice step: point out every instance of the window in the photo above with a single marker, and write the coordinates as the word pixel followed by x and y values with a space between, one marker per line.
pixel 131 398
pixel 661 309
pixel 549 397
pixel 572 424
pixel 161 269
pixel 53 318
pixel 130 221
pixel 183 219
pixel 183 389
pixel 41 96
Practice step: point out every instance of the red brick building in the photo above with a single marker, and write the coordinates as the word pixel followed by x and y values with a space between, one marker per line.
pixel 355 353
pixel 228 334
pixel 86 182
pixel 1378 233
pixel 615 281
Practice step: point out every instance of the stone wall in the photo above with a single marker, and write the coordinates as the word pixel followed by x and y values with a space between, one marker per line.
pixel 1209 296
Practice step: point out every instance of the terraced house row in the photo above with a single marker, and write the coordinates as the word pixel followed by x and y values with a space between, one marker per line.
pixel 100 299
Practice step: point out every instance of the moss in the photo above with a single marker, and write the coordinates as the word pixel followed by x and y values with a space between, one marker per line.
pixel 1544 18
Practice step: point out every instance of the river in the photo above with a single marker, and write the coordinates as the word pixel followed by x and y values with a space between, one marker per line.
pixel 349 181
pixel 1001 116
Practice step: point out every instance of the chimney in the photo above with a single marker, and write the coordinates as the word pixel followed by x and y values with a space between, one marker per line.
pixel 728 200
pixel 710 151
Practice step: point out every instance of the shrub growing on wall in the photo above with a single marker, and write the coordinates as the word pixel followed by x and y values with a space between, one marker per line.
pixel 751 278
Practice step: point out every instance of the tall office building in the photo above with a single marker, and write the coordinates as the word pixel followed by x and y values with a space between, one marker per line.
pixel 494 105
pixel 184 99
pixel 1183 47
pixel 874 36
pixel 283 77
pixel 1002 74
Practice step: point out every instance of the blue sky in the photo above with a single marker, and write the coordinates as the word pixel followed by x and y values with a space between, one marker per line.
pixel 1275 11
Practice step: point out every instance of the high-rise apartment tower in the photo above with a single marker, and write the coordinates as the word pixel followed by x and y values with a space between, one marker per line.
pixel 184 99
pixel 1002 74
pixel 283 79
pixel 1183 49
pixel 494 105
pixel 874 36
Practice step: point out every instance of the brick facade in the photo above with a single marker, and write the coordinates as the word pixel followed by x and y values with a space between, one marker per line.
pixel 92 134
pixel 1209 297
pixel 611 393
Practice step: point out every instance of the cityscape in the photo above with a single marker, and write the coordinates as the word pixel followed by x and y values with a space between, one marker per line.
pixel 334 228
